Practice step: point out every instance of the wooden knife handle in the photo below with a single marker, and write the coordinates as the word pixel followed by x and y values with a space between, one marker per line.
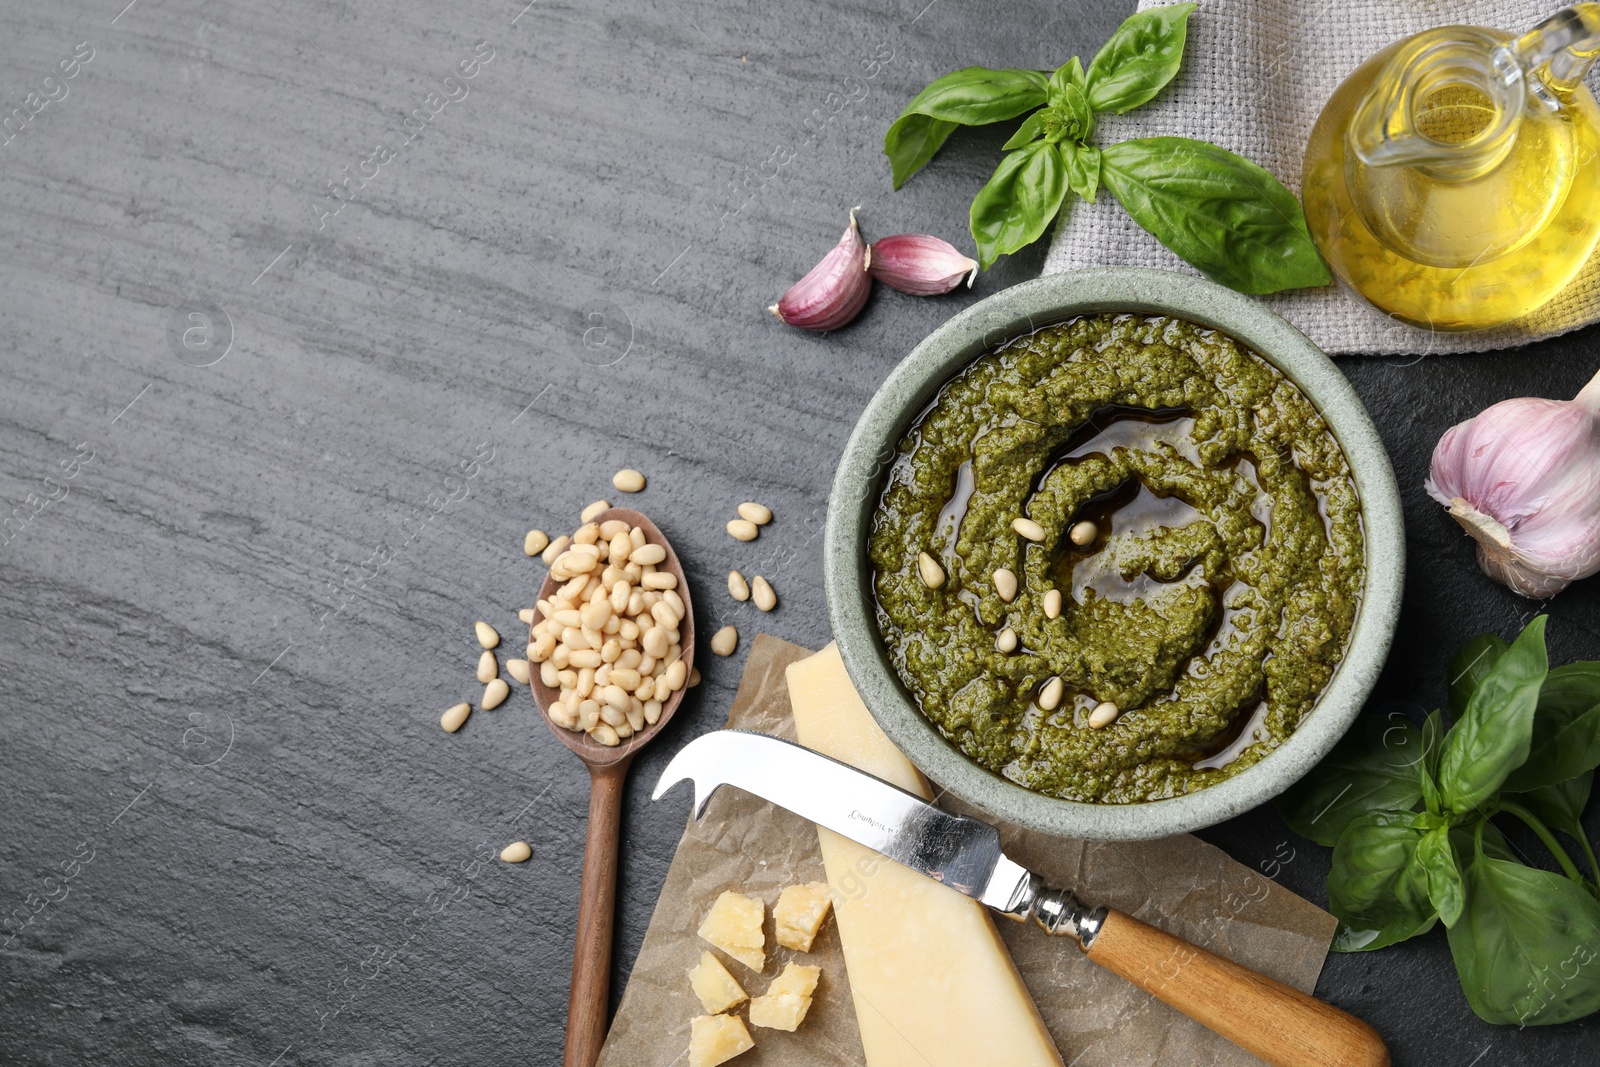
pixel 590 1000
pixel 1281 1025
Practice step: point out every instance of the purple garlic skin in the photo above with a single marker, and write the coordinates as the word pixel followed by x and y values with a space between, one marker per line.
pixel 835 290
pixel 920 264
pixel 1523 478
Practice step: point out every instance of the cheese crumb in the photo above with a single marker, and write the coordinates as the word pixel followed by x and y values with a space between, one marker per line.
pixel 715 1039
pixel 799 914
pixel 797 978
pixel 734 925
pixel 787 999
pixel 716 988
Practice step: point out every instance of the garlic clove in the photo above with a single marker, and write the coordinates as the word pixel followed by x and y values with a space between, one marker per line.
pixel 1523 478
pixel 835 290
pixel 920 264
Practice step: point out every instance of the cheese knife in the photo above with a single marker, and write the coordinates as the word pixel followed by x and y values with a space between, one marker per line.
pixel 1279 1024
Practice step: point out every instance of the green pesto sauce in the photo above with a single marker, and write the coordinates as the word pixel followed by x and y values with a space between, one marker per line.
pixel 1212 608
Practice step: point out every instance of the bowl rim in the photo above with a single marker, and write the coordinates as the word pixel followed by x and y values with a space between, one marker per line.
pixel 1054 298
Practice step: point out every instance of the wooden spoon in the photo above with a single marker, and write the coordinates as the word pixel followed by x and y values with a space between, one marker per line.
pixel 608 768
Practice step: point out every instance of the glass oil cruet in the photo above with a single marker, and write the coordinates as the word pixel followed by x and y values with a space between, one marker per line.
pixel 1452 179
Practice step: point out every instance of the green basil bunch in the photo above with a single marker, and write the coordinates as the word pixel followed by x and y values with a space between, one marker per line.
pixel 1409 819
pixel 1217 211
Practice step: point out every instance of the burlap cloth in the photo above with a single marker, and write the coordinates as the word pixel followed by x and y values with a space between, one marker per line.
pixel 1255 76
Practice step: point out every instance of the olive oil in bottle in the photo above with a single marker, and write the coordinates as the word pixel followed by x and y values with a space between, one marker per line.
pixel 1451 180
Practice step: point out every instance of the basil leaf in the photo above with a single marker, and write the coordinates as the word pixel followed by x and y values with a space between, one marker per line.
pixel 1032 128
pixel 1469 666
pixel 1353 780
pixel 1377 888
pixel 1438 859
pixel 1524 945
pixel 1217 211
pixel 1566 729
pixel 1083 168
pixel 1139 59
pixel 1021 198
pixel 973 96
pixel 977 96
pixel 1492 737
pixel 1069 73
pixel 911 142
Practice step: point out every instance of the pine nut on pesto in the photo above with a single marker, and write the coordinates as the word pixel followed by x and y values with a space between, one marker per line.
pixel 1224 573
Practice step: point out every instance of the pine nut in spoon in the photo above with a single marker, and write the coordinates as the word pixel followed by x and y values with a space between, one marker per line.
pixel 608 767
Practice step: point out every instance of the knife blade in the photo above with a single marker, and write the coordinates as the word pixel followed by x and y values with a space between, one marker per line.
pixel 1279 1024
pixel 954 850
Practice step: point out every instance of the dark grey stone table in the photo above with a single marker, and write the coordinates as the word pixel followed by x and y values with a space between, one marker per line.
pixel 311 310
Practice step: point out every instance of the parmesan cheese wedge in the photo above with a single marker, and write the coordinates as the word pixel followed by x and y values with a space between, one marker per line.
pixel 932 982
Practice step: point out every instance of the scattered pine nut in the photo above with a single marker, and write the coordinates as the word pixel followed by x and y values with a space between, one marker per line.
pixel 1050 695
pixel 488 669
pixel 1104 714
pixel 762 594
pixel 738 588
pixel 743 530
pixel 488 636
pixel 535 542
pixel 516 852
pixel 627 480
pixel 494 694
pixel 1026 527
pixel 932 574
pixel 594 509
pixel 526 615
pixel 759 514
pixel 454 716
pixel 694 677
pixel 519 669
pixel 1006 641
pixel 1005 582
pixel 1052 604
pixel 1083 533
pixel 725 641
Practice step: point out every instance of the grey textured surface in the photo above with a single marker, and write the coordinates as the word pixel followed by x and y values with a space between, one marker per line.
pixel 906 394
pixel 227 646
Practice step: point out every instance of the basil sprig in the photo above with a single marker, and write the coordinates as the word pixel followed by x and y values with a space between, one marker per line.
pixel 1216 210
pixel 1410 821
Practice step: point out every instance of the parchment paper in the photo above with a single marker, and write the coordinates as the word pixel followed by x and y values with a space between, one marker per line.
pixel 1181 884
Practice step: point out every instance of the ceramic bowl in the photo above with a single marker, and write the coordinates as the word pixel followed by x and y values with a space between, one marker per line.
pixel 911 386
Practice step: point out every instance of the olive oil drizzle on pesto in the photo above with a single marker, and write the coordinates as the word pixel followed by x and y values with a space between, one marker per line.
pixel 1214 604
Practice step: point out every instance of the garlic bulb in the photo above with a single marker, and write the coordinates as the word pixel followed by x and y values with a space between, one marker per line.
pixel 920 264
pixel 1523 478
pixel 834 291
